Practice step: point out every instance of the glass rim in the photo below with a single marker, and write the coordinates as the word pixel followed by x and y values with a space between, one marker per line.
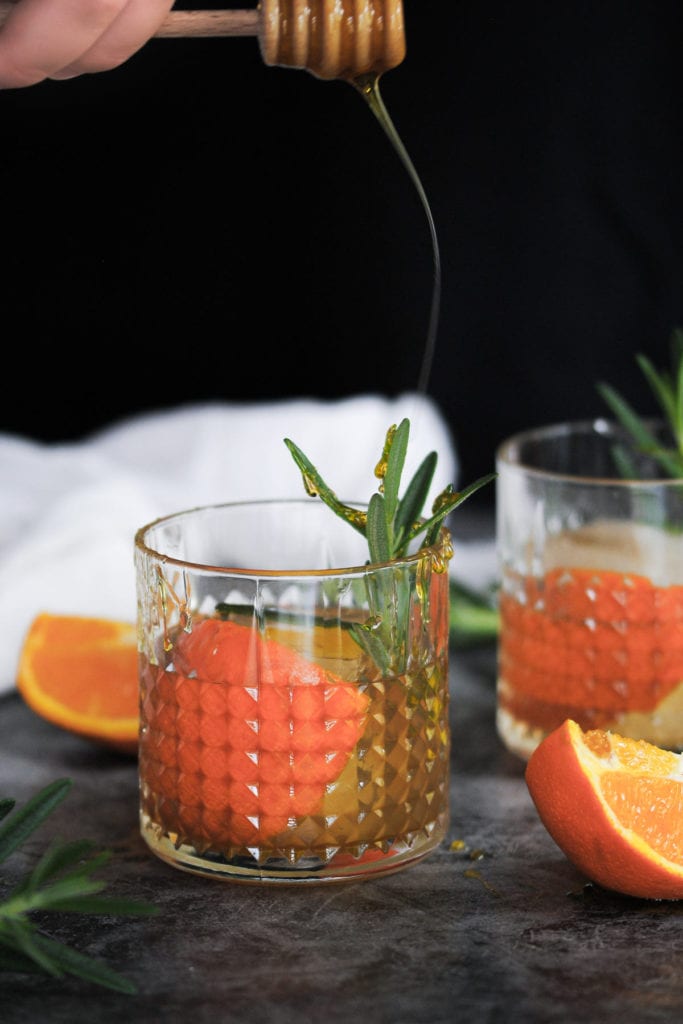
pixel 507 453
pixel 142 546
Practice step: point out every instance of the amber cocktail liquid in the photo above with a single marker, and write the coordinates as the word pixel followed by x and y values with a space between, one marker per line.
pixel 591 595
pixel 274 747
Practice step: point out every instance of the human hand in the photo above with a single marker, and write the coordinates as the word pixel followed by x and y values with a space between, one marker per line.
pixel 61 39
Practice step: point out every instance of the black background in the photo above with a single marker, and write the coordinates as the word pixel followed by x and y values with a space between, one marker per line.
pixel 196 225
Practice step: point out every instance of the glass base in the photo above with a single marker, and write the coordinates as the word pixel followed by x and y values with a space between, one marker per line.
pixel 661 727
pixel 245 866
pixel 519 738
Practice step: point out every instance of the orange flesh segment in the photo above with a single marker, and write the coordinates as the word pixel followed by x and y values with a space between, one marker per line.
pixel 646 797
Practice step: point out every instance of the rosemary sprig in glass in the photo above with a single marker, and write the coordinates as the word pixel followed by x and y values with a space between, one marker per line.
pixel 390 524
pixel 60 881
pixel 667 387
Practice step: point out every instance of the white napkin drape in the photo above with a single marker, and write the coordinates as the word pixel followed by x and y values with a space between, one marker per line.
pixel 69 512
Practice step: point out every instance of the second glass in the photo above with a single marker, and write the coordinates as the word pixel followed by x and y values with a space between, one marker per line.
pixel 591 598
pixel 294 701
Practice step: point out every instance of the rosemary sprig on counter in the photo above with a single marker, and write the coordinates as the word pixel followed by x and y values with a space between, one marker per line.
pixel 391 522
pixel 60 881
pixel 667 387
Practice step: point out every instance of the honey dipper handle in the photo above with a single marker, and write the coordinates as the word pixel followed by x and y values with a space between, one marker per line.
pixel 209 23
pixel 195 23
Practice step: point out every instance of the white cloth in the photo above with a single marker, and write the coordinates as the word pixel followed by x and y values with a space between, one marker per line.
pixel 69 512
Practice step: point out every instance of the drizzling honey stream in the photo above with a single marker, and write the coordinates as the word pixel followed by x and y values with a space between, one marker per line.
pixel 368 86
pixel 355 42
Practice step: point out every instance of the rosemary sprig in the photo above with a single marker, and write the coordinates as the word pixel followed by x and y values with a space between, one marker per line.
pixel 390 525
pixel 60 881
pixel 667 387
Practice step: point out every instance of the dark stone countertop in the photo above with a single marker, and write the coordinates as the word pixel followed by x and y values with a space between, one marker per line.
pixel 504 930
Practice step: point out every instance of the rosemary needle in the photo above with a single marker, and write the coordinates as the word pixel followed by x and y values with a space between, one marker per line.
pixel 61 881
pixel 667 388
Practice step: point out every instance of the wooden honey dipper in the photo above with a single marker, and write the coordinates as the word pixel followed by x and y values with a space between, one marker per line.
pixel 345 39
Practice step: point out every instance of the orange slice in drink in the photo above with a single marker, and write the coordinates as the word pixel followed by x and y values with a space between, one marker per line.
pixel 593 639
pixel 244 736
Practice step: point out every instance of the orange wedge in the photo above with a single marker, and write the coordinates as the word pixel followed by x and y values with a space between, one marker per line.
pixel 614 806
pixel 81 674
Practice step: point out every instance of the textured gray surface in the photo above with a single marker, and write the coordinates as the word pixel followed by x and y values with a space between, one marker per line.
pixel 514 936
